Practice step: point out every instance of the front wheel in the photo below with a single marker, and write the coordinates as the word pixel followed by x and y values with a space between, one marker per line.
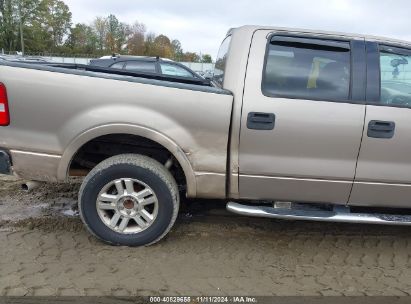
pixel 129 200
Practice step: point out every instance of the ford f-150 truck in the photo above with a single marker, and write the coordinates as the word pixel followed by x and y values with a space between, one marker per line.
pixel 296 124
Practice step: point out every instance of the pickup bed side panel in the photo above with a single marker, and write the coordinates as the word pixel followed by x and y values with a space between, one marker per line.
pixel 51 111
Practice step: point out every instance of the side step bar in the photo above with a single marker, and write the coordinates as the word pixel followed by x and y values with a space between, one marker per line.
pixel 340 214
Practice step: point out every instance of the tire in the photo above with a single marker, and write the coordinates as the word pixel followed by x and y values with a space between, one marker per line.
pixel 129 200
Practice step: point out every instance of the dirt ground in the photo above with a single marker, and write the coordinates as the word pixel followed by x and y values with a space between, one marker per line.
pixel 45 251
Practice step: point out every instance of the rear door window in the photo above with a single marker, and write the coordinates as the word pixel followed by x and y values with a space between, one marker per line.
pixel 395 78
pixel 141 66
pixel 306 68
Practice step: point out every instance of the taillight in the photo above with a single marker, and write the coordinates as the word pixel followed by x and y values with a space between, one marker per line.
pixel 4 106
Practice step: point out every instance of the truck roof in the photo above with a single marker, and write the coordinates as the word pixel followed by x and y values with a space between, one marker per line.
pixel 253 28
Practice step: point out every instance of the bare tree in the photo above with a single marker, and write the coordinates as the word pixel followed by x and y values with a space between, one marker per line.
pixel 100 26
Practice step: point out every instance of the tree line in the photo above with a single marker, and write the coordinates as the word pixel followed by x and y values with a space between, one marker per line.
pixel 45 26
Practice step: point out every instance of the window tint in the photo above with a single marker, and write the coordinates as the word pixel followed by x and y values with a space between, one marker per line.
pixel 174 70
pixel 307 69
pixel 141 66
pixel 395 79
pixel 118 65
pixel 220 64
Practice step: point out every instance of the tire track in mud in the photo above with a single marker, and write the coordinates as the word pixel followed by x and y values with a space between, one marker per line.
pixel 208 252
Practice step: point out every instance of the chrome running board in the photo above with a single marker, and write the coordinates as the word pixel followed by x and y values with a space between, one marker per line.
pixel 340 214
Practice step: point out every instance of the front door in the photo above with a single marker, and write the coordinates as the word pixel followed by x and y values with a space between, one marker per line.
pixel 383 176
pixel 302 117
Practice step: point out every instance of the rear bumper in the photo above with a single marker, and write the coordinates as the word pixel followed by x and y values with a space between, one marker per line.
pixel 5 162
pixel 29 165
pixel 35 166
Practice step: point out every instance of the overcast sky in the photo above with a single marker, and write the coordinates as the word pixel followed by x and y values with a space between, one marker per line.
pixel 201 25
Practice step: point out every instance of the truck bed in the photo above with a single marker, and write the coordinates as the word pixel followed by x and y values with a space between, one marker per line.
pixel 147 75
pixel 140 77
pixel 56 109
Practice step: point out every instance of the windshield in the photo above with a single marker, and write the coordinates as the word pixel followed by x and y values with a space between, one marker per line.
pixel 220 64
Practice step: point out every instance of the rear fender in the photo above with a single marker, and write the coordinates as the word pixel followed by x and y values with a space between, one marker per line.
pixel 170 145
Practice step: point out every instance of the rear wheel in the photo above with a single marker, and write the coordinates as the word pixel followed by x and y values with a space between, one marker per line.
pixel 129 200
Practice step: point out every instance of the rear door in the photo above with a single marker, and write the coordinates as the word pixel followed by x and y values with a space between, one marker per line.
pixel 302 117
pixel 383 176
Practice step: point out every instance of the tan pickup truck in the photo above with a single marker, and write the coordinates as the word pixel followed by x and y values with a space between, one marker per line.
pixel 296 124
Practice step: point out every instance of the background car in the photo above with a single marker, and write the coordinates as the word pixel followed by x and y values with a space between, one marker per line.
pixel 151 65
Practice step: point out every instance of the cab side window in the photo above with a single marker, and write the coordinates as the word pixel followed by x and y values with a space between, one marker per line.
pixel 395 78
pixel 307 69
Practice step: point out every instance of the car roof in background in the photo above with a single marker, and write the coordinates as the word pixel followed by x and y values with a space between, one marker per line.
pixel 108 61
pixel 129 57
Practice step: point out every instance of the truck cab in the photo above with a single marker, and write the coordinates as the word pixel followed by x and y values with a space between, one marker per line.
pixel 322 117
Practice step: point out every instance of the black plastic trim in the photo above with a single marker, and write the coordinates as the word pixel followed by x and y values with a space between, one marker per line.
pixel 358 70
pixel 260 121
pixel 312 41
pixel 373 72
pixel 5 162
pixel 381 129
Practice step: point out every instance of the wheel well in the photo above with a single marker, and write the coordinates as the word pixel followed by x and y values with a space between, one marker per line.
pixel 104 147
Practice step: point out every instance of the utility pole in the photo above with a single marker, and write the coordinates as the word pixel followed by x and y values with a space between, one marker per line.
pixel 21 30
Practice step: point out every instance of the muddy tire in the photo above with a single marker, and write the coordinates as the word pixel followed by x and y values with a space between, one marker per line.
pixel 129 200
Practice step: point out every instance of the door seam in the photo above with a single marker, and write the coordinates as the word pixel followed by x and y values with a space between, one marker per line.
pixel 358 156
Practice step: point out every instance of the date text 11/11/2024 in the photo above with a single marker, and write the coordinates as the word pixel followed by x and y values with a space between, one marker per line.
pixel 203 299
